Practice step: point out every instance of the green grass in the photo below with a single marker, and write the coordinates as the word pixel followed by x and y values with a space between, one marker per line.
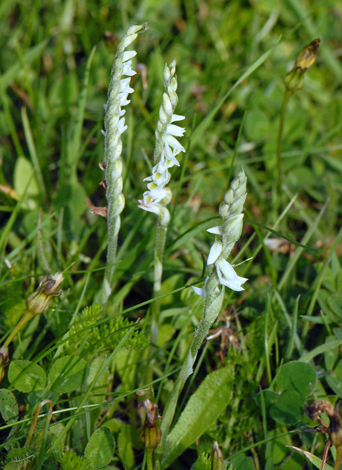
pixel 285 328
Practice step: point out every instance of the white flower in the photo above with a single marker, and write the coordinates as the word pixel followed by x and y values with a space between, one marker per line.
pixel 128 55
pixel 161 211
pixel 121 126
pixel 167 147
pixel 160 176
pixel 227 276
pixel 127 69
pixel 200 290
pixel 214 252
pixel 171 145
pixel 157 196
pixel 215 230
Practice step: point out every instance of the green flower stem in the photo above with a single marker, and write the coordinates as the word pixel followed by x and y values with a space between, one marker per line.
pixel 158 273
pixel 338 460
pixel 287 95
pixel 22 322
pixel 149 459
pixel 212 307
pixel 221 274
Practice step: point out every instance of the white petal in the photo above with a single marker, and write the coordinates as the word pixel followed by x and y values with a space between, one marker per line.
pixel 127 69
pixel 123 83
pixel 214 252
pixel 168 157
pixel 167 105
pixel 174 143
pixel 215 230
pixel 123 99
pixel 162 212
pixel 126 90
pixel 177 117
pixel 159 195
pixel 175 130
pixel 128 55
pixel 199 291
pixel 121 126
pixel 228 277
pixel 103 133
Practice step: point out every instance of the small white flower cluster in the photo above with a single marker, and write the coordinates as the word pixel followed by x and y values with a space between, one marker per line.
pixel 225 271
pixel 124 89
pixel 115 126
pixel 168 147
pixel 227 235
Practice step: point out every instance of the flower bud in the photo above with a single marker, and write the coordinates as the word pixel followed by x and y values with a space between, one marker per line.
pixel 39 300
pixel 151 434
pixel 4 361
pixel 217 458
pixel 295 78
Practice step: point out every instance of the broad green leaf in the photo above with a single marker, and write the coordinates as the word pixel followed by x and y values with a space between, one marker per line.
pixel 67 374
pixel 279 451
pixel 288 409
pixel 26 376
pixel 269 397
pixel 242 462
pixel 8 406
pixel 100 448
pixel 296 376
pixel 22 173
pixel 201 411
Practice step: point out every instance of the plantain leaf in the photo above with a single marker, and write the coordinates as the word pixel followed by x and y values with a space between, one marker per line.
pixel 202 410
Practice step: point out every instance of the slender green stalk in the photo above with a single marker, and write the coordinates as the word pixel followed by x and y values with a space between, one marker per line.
pixel 22 322
pixel 221 274
pixel 209 316
pixel 158 273
pixel 287 95
pixel 149 459
pixel 338 460
pixel 293 81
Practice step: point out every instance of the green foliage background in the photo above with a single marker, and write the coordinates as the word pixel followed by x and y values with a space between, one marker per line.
pixel 50 147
